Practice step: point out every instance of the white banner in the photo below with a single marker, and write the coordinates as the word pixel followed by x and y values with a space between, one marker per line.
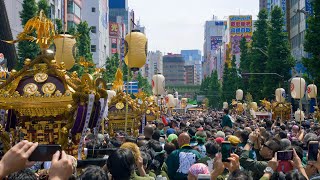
pixel 84 131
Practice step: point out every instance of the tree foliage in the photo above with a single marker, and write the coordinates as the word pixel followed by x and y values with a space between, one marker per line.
pixel 27 49
pixel 214 91
pixel 111 67
pixel 43 5
pixel 58 26
pixel 280 60
pixel 258 59
pixel 244 63
pixel 144 84
pixel 231 81
pixel 311 44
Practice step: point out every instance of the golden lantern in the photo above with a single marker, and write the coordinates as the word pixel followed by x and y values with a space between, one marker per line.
pixel 136 48
pixel 297 87
pixel 65 50
pixel 170 101
pixel 280 95
pixel 158 85
pixel 312 91
pixel 184 102
pixel 225 105
pixel 239 94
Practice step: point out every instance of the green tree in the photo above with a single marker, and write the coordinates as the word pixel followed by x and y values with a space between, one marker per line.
pixel 144 84
pixel 280 60
pixel 83 47
pixel 230 81
pixel 27 49
pixel 311 44
pixel 111 66
pixel 58 26
pixel 204 86
pixel 258 58
pixel 214 91
pixel 244 63
pixel 43 5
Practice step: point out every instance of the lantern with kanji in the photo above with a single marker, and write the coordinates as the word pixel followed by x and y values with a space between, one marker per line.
pixel 254 106
pixel 158 85
pixel 312 91
pixel 225 105
pixel 280 95
pixel 297 87
pixel 136 48
pixel 65 50
pixel 170 101
pixel 239 95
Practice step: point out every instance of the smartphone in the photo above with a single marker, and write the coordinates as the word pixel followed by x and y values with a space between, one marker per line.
pixel 225 151
pixel 313 150
pixel 204 176
pixel 284 166
pixel 285 155
pixel 44 152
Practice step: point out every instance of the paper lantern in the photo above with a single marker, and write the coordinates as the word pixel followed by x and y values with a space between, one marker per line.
pixel 239 94
pixel 65 50
pixel 170 101
pixel 225 105
pixel 158 84
pixel 297 87
pixel 312 91
pixel 299 115
pixel 245 106
pixel 111 94
pixel 254 106
pixel 136 48
pixel 280 95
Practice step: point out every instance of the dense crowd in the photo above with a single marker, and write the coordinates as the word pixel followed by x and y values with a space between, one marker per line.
pixel 190 146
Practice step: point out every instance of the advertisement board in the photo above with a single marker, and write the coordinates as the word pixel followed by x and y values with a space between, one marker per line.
pixel 113 29
pixel 240 26
pixel 215 42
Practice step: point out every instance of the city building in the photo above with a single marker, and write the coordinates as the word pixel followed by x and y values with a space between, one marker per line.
pixel 140 27
pixel 194 58
pixel 119 12
pixel 73 12
pixel 174 69
pixel 263 4
pixel 213 39
pixel 190 74
pixel 154 65
pixel 96 15
pixel 57 10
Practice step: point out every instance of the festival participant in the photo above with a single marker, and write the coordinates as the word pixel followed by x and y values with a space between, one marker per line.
pixel 180 160
pixel 226 121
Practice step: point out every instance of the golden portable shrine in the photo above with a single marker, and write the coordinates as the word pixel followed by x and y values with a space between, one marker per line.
pixel 45 103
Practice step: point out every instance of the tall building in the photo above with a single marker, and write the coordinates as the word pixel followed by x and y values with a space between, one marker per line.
pixel 154 65
pixel 74 12
pixel 96 14
pixel 57 10
pixel 190 74
pixel 174 69
pixel 213 39
pixel 119 12
pixel 262 4
pixel 194 58
pixel 140 27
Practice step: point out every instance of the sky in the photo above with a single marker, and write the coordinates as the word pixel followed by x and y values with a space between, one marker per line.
pixel 174 25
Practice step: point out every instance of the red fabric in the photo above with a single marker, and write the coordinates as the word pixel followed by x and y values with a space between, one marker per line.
pixel 164 120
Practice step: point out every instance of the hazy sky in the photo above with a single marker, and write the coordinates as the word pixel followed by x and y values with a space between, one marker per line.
pixel 173 25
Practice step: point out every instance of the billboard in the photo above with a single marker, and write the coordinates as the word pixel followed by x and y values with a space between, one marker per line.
pixel 113 29
pixel 215 42
pixel 240 26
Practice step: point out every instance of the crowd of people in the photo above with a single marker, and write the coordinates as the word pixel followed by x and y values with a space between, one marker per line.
pixel 190 146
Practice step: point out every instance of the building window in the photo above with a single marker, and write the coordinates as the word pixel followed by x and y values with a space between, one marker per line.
pixel 93 9
pixel 71 24
pixel 93 48
pixel 93 29
pixel 77 10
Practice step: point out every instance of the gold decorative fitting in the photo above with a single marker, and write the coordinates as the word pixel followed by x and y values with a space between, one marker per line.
pixel 48 88
pixel 30 89
pixel 27 62
pixel 119 105
pixel 40 77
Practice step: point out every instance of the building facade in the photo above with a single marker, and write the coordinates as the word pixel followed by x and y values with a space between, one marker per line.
pixel 174 69
pixel 73 12
pixel 119 12
pixel 154 65
pixel 190 74
pixel 96 15
pixel 194 58
pixel 213 39
pixel 262 4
